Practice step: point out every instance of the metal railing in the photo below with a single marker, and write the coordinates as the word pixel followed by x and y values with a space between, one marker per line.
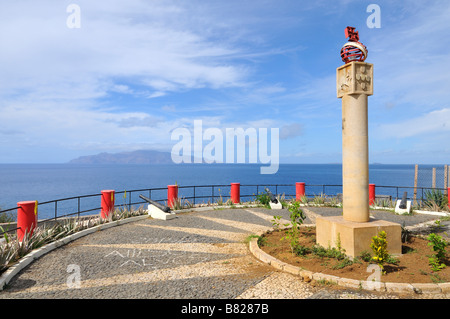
pixel 85 204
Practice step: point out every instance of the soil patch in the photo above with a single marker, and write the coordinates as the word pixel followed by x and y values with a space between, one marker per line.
pixel 411 267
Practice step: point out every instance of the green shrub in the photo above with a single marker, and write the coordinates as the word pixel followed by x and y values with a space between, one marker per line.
pixel 333 252
pixel 366 256
pixel 379 248
pixel 264 199
pixel 300 250
pixel 297 217
pixel 438 245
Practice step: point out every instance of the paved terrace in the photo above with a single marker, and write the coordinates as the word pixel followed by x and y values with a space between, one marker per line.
pixel 199 254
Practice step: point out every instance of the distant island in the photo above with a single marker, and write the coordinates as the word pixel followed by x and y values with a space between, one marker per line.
pixel 134 157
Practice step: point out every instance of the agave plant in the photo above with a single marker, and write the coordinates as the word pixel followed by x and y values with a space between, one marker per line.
pixel 333 201
pixel 319 199
pixel 384 202
pixel 181 203
pixel 304 199
pixel 6 256
pixel 6 251
pixel 435 200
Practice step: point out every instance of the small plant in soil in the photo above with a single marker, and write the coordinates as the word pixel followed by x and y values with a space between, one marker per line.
pixel 276 221
pixel 323 252
pixel 365 256
pixel 438 245
pixel 300 250
pixel 413 266
pixel 297 217
pixel 379 248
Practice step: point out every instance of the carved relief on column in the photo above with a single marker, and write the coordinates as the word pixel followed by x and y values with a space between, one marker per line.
pixel 354 78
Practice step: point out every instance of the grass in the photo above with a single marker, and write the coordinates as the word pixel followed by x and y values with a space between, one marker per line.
pixel 261 239
pixel 250 237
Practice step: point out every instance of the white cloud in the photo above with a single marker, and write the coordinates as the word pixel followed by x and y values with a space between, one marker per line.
pixel 57 83
pixel 434 122
pixel 410 56
pixel 292 130
pixel 54 78
pixel 137 42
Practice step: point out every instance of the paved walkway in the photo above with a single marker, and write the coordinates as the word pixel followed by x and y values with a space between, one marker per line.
pixel 199 254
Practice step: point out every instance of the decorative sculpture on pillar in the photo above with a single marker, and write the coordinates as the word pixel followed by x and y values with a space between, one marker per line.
pixel 353 50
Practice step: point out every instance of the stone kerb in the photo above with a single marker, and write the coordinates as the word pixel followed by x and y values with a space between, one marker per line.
pixel 307 276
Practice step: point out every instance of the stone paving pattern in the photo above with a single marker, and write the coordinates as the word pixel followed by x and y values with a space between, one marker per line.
pixel 198 254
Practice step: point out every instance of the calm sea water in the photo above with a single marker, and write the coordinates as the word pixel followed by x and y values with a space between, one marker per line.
pixel 45 182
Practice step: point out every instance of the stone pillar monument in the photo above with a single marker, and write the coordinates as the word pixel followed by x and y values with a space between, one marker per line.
pixel 355 229
pixel 354 85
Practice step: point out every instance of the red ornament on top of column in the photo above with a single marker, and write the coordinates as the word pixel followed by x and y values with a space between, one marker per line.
pixel 353 50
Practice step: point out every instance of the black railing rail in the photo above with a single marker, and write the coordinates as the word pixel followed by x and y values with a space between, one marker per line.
pixel 84 204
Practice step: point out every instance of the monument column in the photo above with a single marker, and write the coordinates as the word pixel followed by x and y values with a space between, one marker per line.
pixel 354 229
pixel 354 85
pixel 355 171
pixel 354 81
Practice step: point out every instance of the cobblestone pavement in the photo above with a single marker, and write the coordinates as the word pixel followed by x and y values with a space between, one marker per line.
pixel 200 254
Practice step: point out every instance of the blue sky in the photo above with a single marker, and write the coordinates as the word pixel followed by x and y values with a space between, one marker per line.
pixel 136 70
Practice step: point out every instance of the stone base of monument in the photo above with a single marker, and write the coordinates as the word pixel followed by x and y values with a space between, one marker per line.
pixel 275 206
pixel 157 213
pixel 356 237
pixel 402 211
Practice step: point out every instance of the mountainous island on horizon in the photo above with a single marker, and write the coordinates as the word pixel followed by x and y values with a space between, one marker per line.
pixel 153 157
pixel 133 157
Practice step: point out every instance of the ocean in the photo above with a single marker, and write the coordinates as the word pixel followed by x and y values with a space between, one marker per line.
pixel 46 182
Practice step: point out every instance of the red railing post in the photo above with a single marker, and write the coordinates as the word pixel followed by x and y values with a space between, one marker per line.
pixel 172 195
pixel 107 202
pixel 448 197
pixel 299 191
pixel 371 194
pixel 235 193
pixel 26 218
